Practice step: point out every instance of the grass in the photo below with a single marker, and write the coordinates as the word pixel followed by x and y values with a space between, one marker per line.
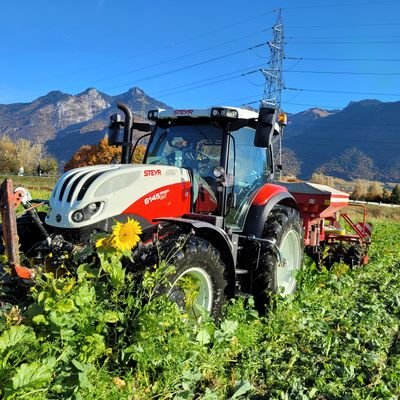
pixel 39 187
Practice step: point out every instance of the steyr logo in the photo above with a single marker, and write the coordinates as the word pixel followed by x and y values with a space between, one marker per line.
pixel 152 172
pixel 183 112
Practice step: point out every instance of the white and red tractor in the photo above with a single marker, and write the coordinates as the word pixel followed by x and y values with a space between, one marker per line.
pixel 208 176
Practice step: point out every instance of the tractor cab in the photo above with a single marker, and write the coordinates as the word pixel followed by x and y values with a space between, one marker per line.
pixel 219 147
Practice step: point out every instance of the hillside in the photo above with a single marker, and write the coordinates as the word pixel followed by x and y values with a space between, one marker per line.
pixel 360 141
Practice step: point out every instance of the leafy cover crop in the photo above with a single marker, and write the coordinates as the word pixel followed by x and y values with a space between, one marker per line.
pixel 104 333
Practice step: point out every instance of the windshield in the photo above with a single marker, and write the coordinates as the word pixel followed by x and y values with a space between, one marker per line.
pixel 196 147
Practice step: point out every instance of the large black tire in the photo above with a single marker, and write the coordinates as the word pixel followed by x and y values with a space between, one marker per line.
pixel 200 261
pixel 281 257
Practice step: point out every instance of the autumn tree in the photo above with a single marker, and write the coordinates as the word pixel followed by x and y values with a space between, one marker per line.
pixel 386 195
pixel 360 191
pixel 138 154
pixel 101 153
pixel 322 179
pixel 374 192
pixel 49 166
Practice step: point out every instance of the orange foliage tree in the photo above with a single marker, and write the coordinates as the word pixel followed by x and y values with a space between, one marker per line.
pixel 101 153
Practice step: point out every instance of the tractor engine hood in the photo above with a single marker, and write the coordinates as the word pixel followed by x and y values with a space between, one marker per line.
pixel 88 195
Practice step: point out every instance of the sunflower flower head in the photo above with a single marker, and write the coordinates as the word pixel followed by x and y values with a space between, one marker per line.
pixel 125 236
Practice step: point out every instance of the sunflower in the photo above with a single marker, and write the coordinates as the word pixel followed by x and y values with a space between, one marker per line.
pixel 125 236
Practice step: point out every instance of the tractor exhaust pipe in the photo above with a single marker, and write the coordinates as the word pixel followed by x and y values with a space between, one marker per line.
pixel 127 141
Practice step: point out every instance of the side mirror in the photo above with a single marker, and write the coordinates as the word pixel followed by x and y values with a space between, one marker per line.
pixel 114 129
pixel 265 127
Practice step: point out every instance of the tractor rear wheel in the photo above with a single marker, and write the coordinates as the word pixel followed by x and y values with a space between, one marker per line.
pixel 281 257
pixel 199 277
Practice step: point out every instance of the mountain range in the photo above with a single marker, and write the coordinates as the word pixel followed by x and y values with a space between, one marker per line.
pixel 360 141
pixel 64 122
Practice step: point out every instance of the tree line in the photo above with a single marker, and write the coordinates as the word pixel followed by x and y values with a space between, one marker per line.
pixel 375 192
pixel 25 157
pixel 363 190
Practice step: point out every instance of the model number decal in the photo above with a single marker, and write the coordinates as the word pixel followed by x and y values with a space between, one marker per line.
pixel 158 196
pixel 152 172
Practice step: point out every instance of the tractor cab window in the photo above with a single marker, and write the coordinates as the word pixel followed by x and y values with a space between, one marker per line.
pixel 248 165
pixel 195 147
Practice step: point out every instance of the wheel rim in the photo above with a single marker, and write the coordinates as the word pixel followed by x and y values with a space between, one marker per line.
pixel 201 287
pixel 290 263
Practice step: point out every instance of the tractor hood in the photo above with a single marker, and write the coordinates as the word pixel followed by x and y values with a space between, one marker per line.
pixel 88 195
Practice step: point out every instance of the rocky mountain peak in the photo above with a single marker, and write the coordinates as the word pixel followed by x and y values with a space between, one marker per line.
pixel 315 113
pixel 51 97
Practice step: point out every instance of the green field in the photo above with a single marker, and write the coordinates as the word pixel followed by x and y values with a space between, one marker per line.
pixel 39 187
pixel 104 334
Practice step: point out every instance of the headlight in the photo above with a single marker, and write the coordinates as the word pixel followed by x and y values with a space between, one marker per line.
pixel 224 112
pixel 86 213
pixel 78 216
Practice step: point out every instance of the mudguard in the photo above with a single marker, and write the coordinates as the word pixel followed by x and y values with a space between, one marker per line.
pixel 263 202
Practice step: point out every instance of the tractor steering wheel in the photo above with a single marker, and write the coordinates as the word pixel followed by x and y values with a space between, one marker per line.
pixel 196 159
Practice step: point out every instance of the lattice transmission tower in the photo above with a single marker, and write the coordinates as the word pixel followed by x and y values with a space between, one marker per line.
pixel 273 73
pixel 274 78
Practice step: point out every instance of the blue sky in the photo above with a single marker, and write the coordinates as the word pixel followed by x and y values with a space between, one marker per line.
pixel 196 54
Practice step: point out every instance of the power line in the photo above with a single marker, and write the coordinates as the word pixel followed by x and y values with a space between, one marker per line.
pixel 351 4
pixel 342 25
pixel 153 65
pixel 190 66
pixel 342 91
pixel 346 42
pixel 344 59
pixel 209 81
pixel 314 105
pixel 175 44
pixel 341 37
pixel 344 72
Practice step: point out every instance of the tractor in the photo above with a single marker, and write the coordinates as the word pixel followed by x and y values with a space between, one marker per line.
pixel 207 176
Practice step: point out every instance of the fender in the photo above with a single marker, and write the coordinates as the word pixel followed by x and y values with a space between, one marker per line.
pixel 267 197
pixel 218 238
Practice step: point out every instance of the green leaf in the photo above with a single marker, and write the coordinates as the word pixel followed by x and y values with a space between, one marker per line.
pixel 111 317
pixel 65 306
pixel 40 319
pixel 203 337
pixel 85 296
pixel 32 376
pixel 15 335
pixel 229 327
pixel 244 388
pixel 85 271
pixel 79 366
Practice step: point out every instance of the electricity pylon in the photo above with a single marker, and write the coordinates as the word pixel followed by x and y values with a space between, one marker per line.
pixel 273 73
